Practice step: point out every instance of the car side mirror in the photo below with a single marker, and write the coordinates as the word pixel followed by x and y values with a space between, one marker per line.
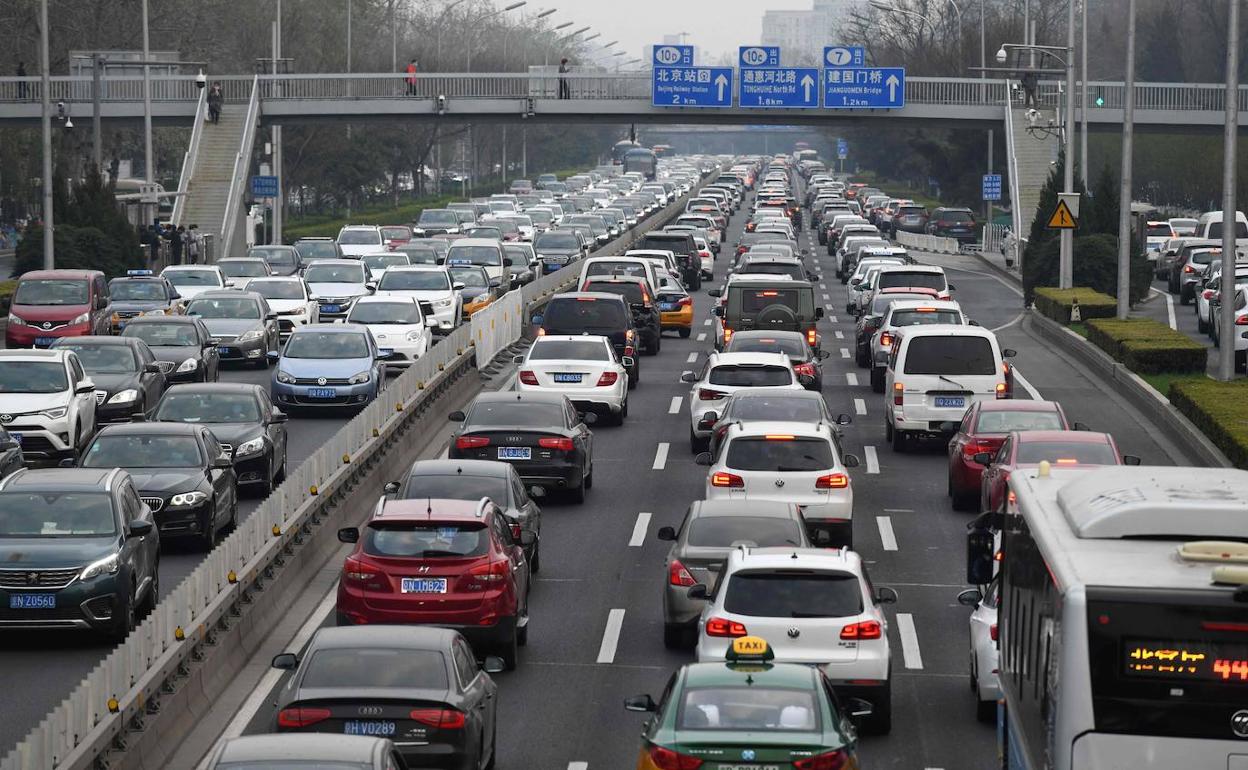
pixel 697 592
pixel 139 528
pixel 493 665
pixel 818 312
pixel 507 262
pixel 270 316
pixel 858 708
pixel 222 463
pixel 391 488
pixel 983 458
pixel 349 535
pixel 67 462
pixel 971 597
pixel 431 323
pixel 689 377
pixel 640 703
pixel 1080 426
pixel 86 386
pixel 885 595
pixel 286 661
pixel 667 533
pixel 175 295
pixel 151 369
pixel 1130 460
pixel 717 311
pixel 456 416
pixel 703 458
pixel 972 322
pixel 850 461
pixel 278 417
pixel 458 285
pixel 517 359
pixel 628 362
pixel 537 492
pixel 1008 353
pixel 843 419
pixel 951 287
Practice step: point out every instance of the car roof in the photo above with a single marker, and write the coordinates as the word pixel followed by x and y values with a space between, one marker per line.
pixel 412 637
pixel 226 294
pixel 59 479
pixel 945 330
pixel 751 283
pixel 209 268
pixel 915 268
pixel 754 428
pixel 762 334
pixel 153 428
pixel 164 319
pixel 324 747
pixel 336 328
pixel 476 242
pixel 217 387
pixel 241 259
pixel 912 304
pixel 100 339
pixel 31 354
pixel 596 295
pixel 422 268
pixel 335 262
pixel 459 467
pixel 769 508
pixel 60 273
pixel 734 359
pixel 1018 405
pixel 570 338
pixel 1053 436
pixel 429 508
pixel 787 675
pixel 788 557
pixel 527 396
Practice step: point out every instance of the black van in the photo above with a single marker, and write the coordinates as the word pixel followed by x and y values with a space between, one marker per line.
pixel 596 313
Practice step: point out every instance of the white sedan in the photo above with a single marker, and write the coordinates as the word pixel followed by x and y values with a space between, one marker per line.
pixel 288 296
pixel 396 324
pixel 984 649
pixel 584 368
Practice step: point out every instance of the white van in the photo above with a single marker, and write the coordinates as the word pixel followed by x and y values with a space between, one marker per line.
pixel 1210 225
pixel 934 373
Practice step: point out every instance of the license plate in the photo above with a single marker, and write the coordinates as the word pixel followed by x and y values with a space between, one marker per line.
pixel 44 341
pixel 331 308
pixel 561 377
pixel 322 392
pixel 423 585
pixel 552 266
pixel 368 727
pixel 225 351
pixel 667 307
pixel 747 767
pixel 515 453
pixel 950 401
pixel 32 601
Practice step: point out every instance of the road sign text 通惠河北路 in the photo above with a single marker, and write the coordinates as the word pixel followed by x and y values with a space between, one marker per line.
pixel 779 87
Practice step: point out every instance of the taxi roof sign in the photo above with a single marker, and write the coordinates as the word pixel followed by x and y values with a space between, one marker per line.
pixel 749 648
pixel 133 273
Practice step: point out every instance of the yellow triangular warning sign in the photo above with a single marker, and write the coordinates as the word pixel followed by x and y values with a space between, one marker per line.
pixel 1062 218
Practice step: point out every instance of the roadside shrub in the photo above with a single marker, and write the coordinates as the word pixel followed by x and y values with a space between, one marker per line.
pixel 1219 410
pixel 1147 346
pixel 1055 304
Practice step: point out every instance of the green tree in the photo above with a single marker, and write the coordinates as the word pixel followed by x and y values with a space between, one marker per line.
pixel 1095 265
pixel 1100 214
pixel 91 232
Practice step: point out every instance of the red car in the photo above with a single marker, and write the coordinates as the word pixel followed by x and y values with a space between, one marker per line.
pixel 984 428
pixel 1063 448
pixel 451 563
pixel 50 304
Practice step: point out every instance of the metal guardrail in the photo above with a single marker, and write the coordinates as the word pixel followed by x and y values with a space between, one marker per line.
pixel 190 158
pixel 242 170
pixel 932 243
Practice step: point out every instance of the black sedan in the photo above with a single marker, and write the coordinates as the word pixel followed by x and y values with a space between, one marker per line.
pixel 473 480
pixel 540 434
pixel 128 380
pixel 183 347
pixel 243 419
pixel 181 472
pixel 419 686
pixel 242 324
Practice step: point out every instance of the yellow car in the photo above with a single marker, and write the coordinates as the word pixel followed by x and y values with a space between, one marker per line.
pixel 476 291
pixel 676 312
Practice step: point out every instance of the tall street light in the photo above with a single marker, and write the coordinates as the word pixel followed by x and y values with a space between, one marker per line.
pixel 1124 191
pixel 49 261
pixel 1226 355
pixel 438 23
pixel 483 17
pixel 887 7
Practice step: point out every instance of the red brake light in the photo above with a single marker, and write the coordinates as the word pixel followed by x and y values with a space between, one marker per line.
pixel 560 443
pixel 1002 392
pixel 866 629
pixel 886 339
pixel 727 335
pixel 1217 625
pixel 442 719
pixel 807 369
pixel 527 377
pixel 685 302
pixel 724 627
pixel 706 394
pixel 485 576
pixel 1207 294
pixel 1241 320
pixel 471 442
pixel 607 378
pixel 1188 269
pixel 301 716
pixel 666 759
pixel 898 391
pixel 833 760
pixel 811 337
pixel 832 481
pixel 729 480
pixel 992 631
pixel 678 575
pixel 515 532
pixel 358 571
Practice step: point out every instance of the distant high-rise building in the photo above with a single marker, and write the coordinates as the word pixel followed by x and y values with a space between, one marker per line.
pixel 802 34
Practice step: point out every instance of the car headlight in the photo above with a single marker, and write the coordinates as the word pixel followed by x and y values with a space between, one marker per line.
pixel 187 499
pixel 106 566
pixel 82 319
pixel 285 378
pixel 443 303
pixel 360 379
pixel 189 365
pixel 55 414
pixel 15 321
pixel 253 447
pixel 254 334
pixel 124 396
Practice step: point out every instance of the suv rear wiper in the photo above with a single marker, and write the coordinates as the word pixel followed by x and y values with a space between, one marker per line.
pixel 952 382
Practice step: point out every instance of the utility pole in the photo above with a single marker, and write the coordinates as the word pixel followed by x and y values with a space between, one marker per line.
pixel 1083 93
pixel 97 151
pixel 1124 191
pixel 280 202
pixel 1226 332
pixel 149 164
pixel 49 260
pixel 1067 244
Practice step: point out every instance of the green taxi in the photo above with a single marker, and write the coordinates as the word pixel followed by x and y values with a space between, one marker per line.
pixel 748 714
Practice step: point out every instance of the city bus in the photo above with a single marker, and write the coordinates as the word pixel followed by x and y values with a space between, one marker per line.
pixel 1123 617
pixel 643 160
pixel 620 149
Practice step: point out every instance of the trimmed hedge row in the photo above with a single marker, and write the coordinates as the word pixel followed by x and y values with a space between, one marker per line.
pixel 1147 346
pixel 1055 304
pixel 1219 410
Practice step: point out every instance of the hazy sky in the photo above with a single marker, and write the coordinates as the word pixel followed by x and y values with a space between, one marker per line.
pixel 714 26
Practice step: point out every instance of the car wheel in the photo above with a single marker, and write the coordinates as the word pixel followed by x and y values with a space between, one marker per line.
pixel 1202 325
pixel 881 720
pixel 153 593
pixel 962 499
pixel 589 477
pixel 899 441
pixel 522 632
pixel 696 444
pixel 280 476
pixel 125 621
pixel 684 333
pixel 493 748
pixel 509 651
pixel 577 493
pixel 877 380
pixel 623 412
pixel 658 343
pixel 208 535
pixel 535 563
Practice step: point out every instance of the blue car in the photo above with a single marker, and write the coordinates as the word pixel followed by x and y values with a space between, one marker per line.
pixel 328 365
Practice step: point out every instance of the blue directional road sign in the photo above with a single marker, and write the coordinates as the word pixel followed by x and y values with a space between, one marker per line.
pixel 842 149
pixel 759 55
pixel 992 187
pixel 264 187
pixel 673 56
pixel 779 87
pixel 844 56
pixel 864 88
pixel 692 87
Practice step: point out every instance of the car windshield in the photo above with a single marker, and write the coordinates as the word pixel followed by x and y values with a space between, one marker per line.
pixel 143 451
pixel 892 278
pixel 588 313
pixel 50 291
pixel 415 280
pixel 630 291
pixel 376 262
pixel 559 241
pixel 1066 453
pixel 457 487
pixel 793 347
pixel 779 454
pixel 323 249
pixel 277 289
pixel 962 217
pixel 792 409
pixel 575 350
pixel 634 269
pixel 32 377
pixel 762 531
pixel 995 421
pixel 828 594
pixel 180 406
pixel 224 307
pixel 417 254
pixel 950 355
pixel 485 256
pixel 104 359
pixel 127 290
pixel 56 514
pixel 748 708
pixel 754 301
pixel 193 277
pixel 924 316
pixel 243 269
pixel 272 255
pixel 440 217
pixel 365 667
pixel 750 376
pixel 334 274
pixel 395 233
pixel 367 237
pixel 470 277
pixel 425 540
pixel 528 414
pixel 163 335
pixel 385 313
pixel 314 344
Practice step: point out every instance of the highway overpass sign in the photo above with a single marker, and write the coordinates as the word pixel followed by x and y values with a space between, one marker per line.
pixel 691 87
pixel 844 56
pixel 673 56
pixel 848 88
pixel 759 55
pixel 778 87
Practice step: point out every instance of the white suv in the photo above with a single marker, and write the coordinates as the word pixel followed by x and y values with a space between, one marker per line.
pixel 813 606
pixel 358 240
pixel 431 286
pixel 789 462
pixel 725 373
pixel 47 402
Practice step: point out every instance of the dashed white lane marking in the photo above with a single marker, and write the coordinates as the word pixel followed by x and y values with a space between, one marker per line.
pixel 873 459
pixel 860 406
pixel 639 530
pixel 585 766
pixel 825 296
pixel 887 536
pixel 611 637
pixel 909 640
pixel 832 319
pixel 823 286
pixel 1027 386
pixel 851 378
pixel 701 336
pixel 660 459
pixel 693 357
pixel 675 405
pixel 707 322
pixel 844 352
pixel 899 510
pixel 1169 306
pixel 840 335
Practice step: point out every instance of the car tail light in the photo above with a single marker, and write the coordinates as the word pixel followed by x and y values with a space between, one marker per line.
pixel 441 719
pixel 832 481
pixel 740 250
pixel 356 570
pixel 992 631
pixel 489 575
pixel 471 442
pixel 972 448
pixel 706 394
pixel 832 760
pixel 807 369
pixel 886 339
pixel 1241 320
pixel 527 377
pixel 811 337
pixel 678 575
pixel 729 480
pixel 301 717
pixel 541 332
pixel 724 627
pixel 666 759
pixel 1002 391
pixel 866 629
pixel 1207 293
pixel 685 302
pixel 560 443
pixel 727 335
pixel 607 378
pixel 898 393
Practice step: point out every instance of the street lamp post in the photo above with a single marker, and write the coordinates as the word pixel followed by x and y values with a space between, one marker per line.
pixel 471 27
pixel 1124 192
pixel 49 260
pixel 1226 354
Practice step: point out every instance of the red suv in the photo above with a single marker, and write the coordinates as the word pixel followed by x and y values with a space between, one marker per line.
pixel 452 563
pixel 50 304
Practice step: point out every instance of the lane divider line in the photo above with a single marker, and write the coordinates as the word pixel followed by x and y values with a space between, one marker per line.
pixel 639 530
pixel 899 510
pixel 860 406
pixel 873 459
pixel 675 405
pixel 693 358
pixel 909 640
pixel 1169 305
pixel 844 352
pixel 887 537
pixel 851 378
pixel 701 336
pixel 660 460
pixel 578 766
pixel 832 319
pixel 707 322
pixel 825 296
pixel 1027 386
pixel 611 636
pixel 840 335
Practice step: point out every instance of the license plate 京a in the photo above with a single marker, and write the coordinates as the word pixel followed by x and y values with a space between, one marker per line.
pixel 952 402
